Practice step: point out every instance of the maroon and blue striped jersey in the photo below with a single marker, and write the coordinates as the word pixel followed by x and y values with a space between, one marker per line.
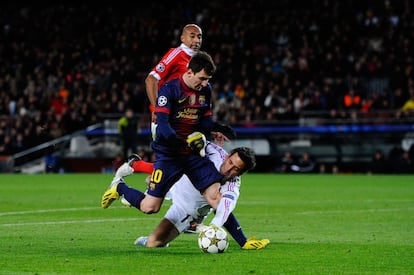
pixel 180 112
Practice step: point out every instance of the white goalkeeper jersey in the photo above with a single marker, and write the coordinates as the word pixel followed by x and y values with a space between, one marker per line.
pixel 188 204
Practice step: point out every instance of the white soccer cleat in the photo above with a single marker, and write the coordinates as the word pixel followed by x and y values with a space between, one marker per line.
pixel 124 170
pixel 141 241
pixel 125 202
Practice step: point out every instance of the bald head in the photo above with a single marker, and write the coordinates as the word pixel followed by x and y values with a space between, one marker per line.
pixel 192 36
pixel 192 28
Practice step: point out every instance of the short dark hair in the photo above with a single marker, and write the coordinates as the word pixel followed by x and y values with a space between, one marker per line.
pixel 202 60
pixel 247 155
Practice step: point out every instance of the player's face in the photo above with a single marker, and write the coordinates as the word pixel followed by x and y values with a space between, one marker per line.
pixel 197 81
pixel 232 166
pixel 192 37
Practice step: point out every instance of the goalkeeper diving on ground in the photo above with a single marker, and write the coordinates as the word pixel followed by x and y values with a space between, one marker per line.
pixel 189 208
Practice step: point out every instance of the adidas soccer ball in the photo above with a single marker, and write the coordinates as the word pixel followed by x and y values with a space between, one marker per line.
pixel 213 239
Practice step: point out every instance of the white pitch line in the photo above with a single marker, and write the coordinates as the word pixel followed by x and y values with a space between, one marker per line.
pixel 372 210
pixel 76 221
pixel 330 212
pixel 367 201
pixel 47 211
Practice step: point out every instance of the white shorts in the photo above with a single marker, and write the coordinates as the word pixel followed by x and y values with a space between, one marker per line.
pixel 187 205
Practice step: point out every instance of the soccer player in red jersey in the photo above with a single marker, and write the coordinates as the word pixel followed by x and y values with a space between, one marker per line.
pixel 172 65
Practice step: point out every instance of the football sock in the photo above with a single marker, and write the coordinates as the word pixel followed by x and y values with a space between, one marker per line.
pixel 235 230
pixel 133 196
pixel 141 166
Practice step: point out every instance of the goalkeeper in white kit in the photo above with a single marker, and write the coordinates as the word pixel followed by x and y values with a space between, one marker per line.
pixel 189 206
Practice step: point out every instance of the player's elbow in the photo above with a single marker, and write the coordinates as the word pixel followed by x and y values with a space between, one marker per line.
pixel 213 202
pixel 212 195
pixel 150 80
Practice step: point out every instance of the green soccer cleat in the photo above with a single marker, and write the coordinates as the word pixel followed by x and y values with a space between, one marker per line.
pixel 254 244
pixel 111 194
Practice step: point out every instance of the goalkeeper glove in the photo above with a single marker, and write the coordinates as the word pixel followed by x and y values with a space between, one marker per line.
pixel 197 142
pixel 225 130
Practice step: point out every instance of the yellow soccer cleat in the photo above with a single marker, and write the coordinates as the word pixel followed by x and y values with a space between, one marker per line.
pixel 111 194
pixel 254 244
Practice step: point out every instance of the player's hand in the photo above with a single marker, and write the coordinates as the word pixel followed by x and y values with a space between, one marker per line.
pixel 214 226
pixel 226 130
pixel 200 227
pixel 153 118
pixel 197 142
pixel 219 138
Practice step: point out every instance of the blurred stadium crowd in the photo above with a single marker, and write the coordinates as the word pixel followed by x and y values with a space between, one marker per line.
pixel 64 66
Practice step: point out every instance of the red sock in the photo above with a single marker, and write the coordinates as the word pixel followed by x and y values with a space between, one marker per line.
pixel 141 166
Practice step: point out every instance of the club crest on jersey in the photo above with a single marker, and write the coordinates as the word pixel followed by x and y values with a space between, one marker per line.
pixel 192 100
pixel 160 67
pixel 162 101
pixel 202 99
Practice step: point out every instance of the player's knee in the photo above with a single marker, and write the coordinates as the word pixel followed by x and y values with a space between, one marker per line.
pixel 150 209
pixel 150 206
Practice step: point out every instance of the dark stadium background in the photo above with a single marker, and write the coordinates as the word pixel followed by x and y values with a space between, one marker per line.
pixel 329 78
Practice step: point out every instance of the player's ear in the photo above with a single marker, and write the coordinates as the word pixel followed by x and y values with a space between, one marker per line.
pixel 189 72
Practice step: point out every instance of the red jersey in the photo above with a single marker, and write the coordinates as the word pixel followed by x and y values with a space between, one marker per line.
pixel 173 64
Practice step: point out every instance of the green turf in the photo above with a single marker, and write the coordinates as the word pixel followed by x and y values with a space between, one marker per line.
pixel 317 224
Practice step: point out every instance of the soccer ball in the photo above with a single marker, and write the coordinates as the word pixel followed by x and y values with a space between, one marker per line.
pixel 213 239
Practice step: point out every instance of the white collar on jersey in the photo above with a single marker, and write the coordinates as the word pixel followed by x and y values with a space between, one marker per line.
pixel 187 49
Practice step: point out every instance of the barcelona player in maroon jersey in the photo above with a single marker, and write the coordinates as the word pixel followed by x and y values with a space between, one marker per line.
pixel 172 65
pixel 184 113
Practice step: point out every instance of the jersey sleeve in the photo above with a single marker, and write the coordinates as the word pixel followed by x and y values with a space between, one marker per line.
pixel 230 192
pixel 172 65
pixel 165 99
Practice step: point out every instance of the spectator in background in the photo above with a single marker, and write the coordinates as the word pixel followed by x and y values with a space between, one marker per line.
pixel 51 162
pixel 6 146
pixel 409 104
pixel 378 164
pixel 305 164
pixel 393 157
pixel 352 100
pixel 128 127
pixel 404 164
pixel 285 163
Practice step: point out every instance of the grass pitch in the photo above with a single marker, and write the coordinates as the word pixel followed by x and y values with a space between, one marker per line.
pixel 317 224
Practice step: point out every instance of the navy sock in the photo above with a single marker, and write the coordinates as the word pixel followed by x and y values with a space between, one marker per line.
pixel 133 196
pixel 235 230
